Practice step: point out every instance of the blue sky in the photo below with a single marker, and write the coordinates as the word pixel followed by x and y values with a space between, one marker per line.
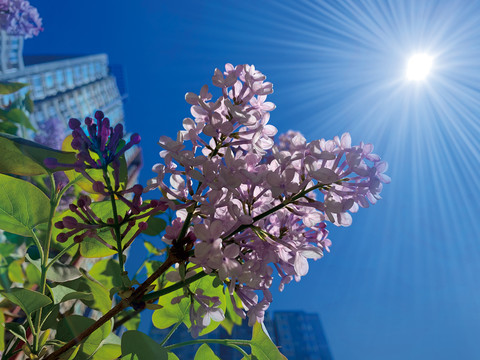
pixel 402 281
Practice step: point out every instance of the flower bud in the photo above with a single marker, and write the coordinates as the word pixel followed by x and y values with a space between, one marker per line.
pixel 135 138
pixel 62 237
pixel 70 222
pixel 99 115
pixel 98 187
pixel 74 123
pixel 137 189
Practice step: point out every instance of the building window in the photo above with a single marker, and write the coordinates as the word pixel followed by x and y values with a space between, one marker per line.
pixel 60 79
pixel 69 76
pixel 77 75
pixel 49 84
pixel 85 73
pixel 37 86
pixel 98 70
pixel 63 107
pixel 73 106
pixel 91 71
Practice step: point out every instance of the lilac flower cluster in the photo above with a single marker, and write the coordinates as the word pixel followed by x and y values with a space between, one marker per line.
pixel 18 17
pixel 101 149
pixel 86 223
pixel 51 133
pixel 103 141
pixel 245 202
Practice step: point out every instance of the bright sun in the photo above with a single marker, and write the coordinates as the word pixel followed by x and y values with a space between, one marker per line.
pixel 418 67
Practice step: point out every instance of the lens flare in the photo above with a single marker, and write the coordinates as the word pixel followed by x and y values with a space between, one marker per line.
pixel 419 67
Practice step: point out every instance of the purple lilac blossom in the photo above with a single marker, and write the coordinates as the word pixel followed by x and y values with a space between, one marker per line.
pixel 259 208
pixel 51 133
pixel 105 142
pixel 18 17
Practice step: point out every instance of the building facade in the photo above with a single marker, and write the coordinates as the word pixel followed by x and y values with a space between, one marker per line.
pixel 300 336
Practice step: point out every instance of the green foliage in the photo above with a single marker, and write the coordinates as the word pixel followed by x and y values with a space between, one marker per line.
pixel 2 333
pixel 22 206
pixel 205 353
pixel 231 317
pixel 71 326
pixel 28 300
pixel 107 272
pixel 133 323
pixel 172 314
pixel 10 87
pixel 62 293
pixel 17 330
pixel 109 348
pixel 100 295
pixel 17 116
pixel 142 347
pixel 15 271
pixel 26 158
pixel 262 346
pixel 57 272
pixel 155 226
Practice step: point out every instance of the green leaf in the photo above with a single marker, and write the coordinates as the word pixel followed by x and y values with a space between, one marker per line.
pixel 73 325
pixel 28 300
pixel 262 346
pixel 23 157
pixel 145 348
pixel 28 102
pixel 2 332
pixel 152 249
pixel 8 128
pixel 33 274
pixel 107 272
pixel 15 271
pixel 133 323
pixel 13 161
pixel 172 314
pixel 155 226
pixel 57 272
pixel 205 353
pixel 17 329
pixel 231 317
pixel 62 293
pixel 61 273
pixel 101 297
pixel 22 206
pixel 4 280
pixel 19 117
pixel 109 349
pixel 10 87
pixel 130 357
